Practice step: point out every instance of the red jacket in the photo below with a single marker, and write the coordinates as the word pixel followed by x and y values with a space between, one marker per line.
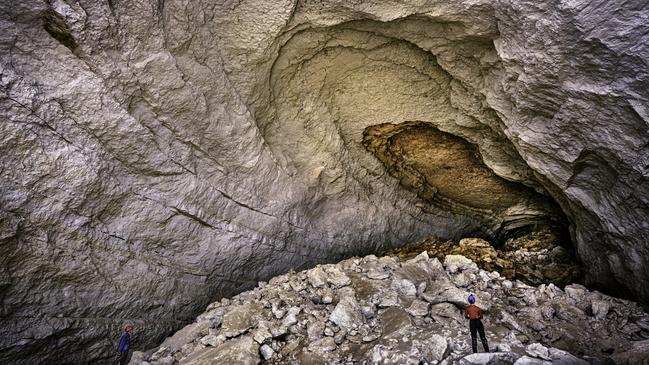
pixel 472 312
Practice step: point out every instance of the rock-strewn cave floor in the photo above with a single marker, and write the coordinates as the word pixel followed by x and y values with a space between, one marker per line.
pixel 400 309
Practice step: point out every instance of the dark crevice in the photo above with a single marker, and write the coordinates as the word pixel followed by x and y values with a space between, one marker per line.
pixel 192 217
pixel 56 26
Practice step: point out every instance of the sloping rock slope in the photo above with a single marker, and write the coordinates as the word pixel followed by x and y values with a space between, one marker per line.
pixel 386 311
pixel 156 155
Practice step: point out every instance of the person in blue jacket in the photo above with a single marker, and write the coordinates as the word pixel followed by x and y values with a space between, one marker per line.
pixel 124 344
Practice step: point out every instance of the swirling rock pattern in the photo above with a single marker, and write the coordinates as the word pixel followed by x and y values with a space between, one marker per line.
pixel 156 155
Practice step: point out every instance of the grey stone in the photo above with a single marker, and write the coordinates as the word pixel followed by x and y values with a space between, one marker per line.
pixel 503 347
pixel 485 358
pixel 340 337
pixel 242 351
pixel 167 360
pixel 638 353
pixel 565 358
pixel 527 360
pixel 379 270
pixel 278 331
pixel 241 318
pixel 160 353
pixel 404 287
pixel 368 311
pixel 395 320
pixel 317 277
pixel 261 335
pixel 213 340
pixel 445 293
pixel 291 317
pixel 418 308
pixel 322 345
pixel 539 351
pixel 377 274
pixel 455 263
pixel 389 299
pixel 434 348
pixel 186 335
pixel 315 330
pixel 600 308
pixel 576 292
pixel 347 314
pixel 190 347
pixel 327 296
pixel 266 352
pixel 138 358
pixel 447 310
pixel 336 277
pixel 297 285
pixel 381 354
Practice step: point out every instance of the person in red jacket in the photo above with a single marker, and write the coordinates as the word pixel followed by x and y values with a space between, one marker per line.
pixel 473 313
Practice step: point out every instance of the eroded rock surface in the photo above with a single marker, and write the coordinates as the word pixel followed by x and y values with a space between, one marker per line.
pixel 524 324
pixel 156 155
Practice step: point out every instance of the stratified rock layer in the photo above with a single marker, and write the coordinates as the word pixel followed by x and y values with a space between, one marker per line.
pixel 447 171
pixel 158 154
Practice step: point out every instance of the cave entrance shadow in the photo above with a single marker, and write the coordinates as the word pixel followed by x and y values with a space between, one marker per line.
pixel 448 172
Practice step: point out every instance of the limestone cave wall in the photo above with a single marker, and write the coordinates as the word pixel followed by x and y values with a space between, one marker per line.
pixel 156 155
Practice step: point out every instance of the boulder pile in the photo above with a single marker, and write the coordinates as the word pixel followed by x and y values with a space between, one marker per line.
pixel 538 257
pixel 384 310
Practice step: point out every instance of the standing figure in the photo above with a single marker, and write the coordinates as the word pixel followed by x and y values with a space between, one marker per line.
pixel 124 344
pixel 474 314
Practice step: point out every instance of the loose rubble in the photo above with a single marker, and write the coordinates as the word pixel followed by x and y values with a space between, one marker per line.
pixel 539 257
pixel 385 310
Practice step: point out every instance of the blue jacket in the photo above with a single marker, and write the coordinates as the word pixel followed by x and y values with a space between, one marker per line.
pixel 124 342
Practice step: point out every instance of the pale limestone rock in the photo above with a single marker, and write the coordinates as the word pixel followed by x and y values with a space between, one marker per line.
pixel 404 287
pixel 389 299
pixel 539 351
pixel 261 335
pixel 455 263
pixel 494 358
pixel 315 330
pixel 336 277
pixel 317 277
pixel 291 316
pixel 242 351
pixel 418 308
pixel 600 308
pixel 434 348
pixel 158 154
pixel 213 340
pixel 241 319
pixel 266 352
pixel 324 344
pixel 564 357
pixel 347 314
pixel 187 334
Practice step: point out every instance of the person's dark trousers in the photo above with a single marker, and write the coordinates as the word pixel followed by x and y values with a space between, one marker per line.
pixel 475 325
pixel 123 357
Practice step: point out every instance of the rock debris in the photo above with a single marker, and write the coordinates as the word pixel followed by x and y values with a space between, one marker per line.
pixel 385 310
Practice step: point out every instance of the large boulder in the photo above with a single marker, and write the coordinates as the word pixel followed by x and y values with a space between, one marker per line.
pixel 242 351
